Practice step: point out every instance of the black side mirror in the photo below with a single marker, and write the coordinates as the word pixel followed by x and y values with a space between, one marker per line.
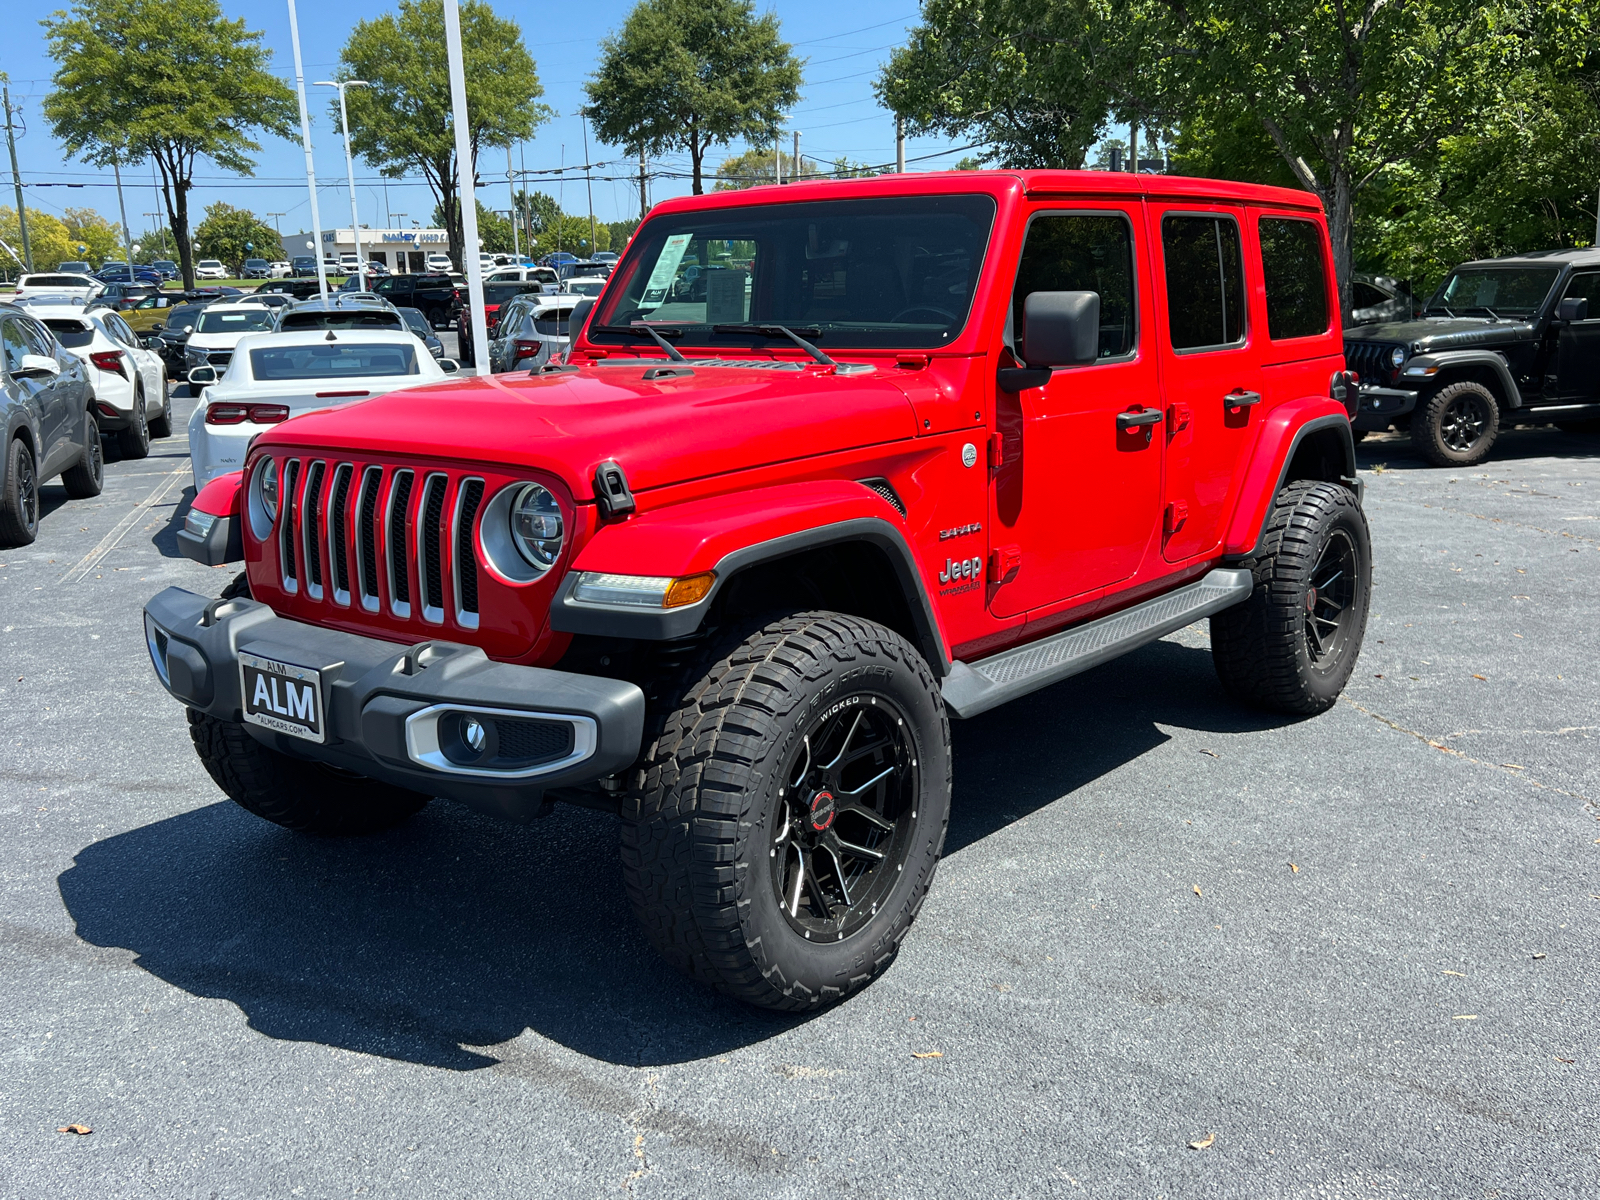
pixel 1573 309
pixel 580 314
pixel 1059 329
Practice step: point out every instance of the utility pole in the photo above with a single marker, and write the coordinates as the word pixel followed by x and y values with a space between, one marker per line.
pixel 899 145
pixel 588 177
pixel 795 161
pixel 1133 147
pixel 122 209
pixel 16 178
pixel 511 190
pixel 305 139
pixel 777 154
pixel 350 172
pixel 644 196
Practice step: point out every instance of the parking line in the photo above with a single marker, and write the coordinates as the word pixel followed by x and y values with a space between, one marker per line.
pixel 120 531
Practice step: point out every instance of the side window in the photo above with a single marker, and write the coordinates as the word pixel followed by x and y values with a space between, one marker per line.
pixel 1296 276
pixel 1364 295
pixel 1082 253
pixel 1585 287
pixel 39 340
pixel 14 343
pixel 1205 282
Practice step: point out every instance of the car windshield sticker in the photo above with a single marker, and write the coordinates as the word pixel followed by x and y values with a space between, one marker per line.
pixel 666 269
pixel 726 297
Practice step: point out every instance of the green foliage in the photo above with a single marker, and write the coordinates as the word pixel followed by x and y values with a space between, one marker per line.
pixel 172 80
pixel 403 123
pixel 226 231
pixel 100 238
pixel 692 74
pixel 618 233
pixel 539 209
pixel 755 166
pixel 47 239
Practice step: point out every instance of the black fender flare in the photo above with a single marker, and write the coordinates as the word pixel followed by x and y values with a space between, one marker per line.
pixel 567 615
pixel 1446 359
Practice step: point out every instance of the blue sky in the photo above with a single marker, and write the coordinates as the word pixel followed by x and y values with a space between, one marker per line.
pixel 844 44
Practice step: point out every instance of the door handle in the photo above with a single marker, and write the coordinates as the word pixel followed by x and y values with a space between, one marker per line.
pixel 1147 416
pixel 1239 398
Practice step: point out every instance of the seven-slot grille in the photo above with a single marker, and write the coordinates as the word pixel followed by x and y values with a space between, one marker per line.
pixel 347 527
pixel 1370 360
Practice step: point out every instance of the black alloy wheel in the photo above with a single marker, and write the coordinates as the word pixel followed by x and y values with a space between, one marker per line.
pixel 1463 422
pixel 1457 425
pixel 19 505
pixel 847 818
pixel 87 476
pixel 134 441
pixel 1330 611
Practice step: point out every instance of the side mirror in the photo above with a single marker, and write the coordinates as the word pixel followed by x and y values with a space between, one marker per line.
pixel 158 327
pixel 35 366
pixel 448 365
pixel 577 317
pixel 200 376
pixel 1060 329
pixel 1573 309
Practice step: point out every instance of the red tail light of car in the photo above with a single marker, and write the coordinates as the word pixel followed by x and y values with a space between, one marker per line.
pixel 109 360
pixel 223 413
pixel 527 349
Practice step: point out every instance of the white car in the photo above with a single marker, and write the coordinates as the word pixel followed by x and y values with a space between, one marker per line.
pixel 275 376
pixel 210 268
pixel 516 274
pixel 584 287
pixel 280 270
pixel 82 288
pixel 218 327
pixel 129 382
pixel 439 262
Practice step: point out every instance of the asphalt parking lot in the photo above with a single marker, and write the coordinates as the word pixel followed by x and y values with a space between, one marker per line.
pixel 1353 956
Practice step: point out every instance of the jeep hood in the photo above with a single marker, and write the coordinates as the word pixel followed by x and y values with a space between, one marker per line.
pixel 1443 333
pixel 711 421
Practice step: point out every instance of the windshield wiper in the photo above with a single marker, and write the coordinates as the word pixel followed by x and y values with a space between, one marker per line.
pixel 1493 316
pixel 773 331
pixel 660 336
pixel 1446 308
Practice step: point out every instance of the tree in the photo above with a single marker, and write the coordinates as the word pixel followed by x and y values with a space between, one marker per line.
pixel 171 80
pixel 755 166
pixel 692 74
pixel 235 234
pixel 47 237
pixel 402 123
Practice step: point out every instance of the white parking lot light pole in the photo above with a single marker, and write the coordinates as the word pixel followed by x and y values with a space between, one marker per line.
pixel 465 192
pixel 122 208
pixel 350 171
pixel 305 139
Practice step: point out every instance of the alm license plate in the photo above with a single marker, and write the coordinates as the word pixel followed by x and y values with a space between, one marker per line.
pixel 282 696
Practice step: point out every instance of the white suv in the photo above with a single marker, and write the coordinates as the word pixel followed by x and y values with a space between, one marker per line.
pixel 210 268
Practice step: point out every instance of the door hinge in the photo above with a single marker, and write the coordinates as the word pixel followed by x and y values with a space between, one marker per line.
pixel 1177 515
pixel 1177 418
pixel 1004 563
pixel 997 451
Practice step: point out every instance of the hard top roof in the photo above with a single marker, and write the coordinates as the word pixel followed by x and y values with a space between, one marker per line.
pixel 1540 258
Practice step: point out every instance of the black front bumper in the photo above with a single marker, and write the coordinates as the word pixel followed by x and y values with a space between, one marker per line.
pixel 384 703
pixel 1380 407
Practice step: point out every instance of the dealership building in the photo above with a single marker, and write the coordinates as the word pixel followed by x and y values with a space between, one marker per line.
pixel 402 250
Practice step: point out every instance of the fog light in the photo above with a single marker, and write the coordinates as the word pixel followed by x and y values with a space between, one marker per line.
pixel 472 733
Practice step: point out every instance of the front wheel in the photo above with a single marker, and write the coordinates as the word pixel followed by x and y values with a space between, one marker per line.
pixel 19 502
pixel 1291 646
pixel 303 796
pixel 161 427
pixel 134 441
pixel 785 821
pixel 1457 426
pixel 86 477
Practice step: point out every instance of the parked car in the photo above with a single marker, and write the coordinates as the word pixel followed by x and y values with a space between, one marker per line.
pixel 256 268
pixel 1378 298
pixel 120 273
pixel 218 328
pixel 418 324
pixel 604 256
pixel 341 312
pixel 82 288
pixel 145 314
pixel 544 275
pixel 75 267
pixel 49 430
pixel 299 289
pixel 170 339
pixel 439 262
pixel 583 270
pixel 531 331
pixel 279 270
pixel 1501 341
pixel 729 572
pixel 583 287
pixel 273 300
pixel 273 377
pixel 304 266
pixel 127 380
pixel 494 295
pixel 558 258
pixel 431 292
pixel 121 296
pixel 210 268
pixel 166 268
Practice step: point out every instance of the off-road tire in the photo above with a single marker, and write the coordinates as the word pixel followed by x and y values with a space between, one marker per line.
pixel 1262 649
pixel 134 441
pixel 161 427
pixel 86 477
pixel 1435 428
pixel 303 796
pixel 705 801
pixel 19 502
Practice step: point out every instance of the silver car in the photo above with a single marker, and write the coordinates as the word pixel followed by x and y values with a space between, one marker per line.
pixel 532 331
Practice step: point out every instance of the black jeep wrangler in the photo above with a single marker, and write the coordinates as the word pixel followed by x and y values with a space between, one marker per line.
pixel 1507 341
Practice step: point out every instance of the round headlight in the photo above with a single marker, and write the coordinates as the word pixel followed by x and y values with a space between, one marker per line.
pixel 267 487
pixel 536 527
pixel 1397 356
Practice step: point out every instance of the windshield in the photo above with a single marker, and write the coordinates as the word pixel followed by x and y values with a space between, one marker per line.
pixel 1493 291
pixel 238 321
pixel 864 273
pixel 585 287
pixel 415 321
pixel 352 318
pixel 331 362
pixel 183 317
pixel 74 335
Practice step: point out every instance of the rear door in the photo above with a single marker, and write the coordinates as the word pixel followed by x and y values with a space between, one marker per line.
pixel 1075 495
pixel 1209 365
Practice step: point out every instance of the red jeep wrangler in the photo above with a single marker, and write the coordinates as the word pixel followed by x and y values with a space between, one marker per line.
pixel 827 464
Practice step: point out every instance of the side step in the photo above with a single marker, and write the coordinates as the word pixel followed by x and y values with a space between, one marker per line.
pixel 972 688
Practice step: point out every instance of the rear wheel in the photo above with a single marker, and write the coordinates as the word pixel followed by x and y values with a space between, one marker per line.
pixel 19 502
pixel 1457 426
pixel 161 427
pixel 303 796
pixel 1291 646
pixel 134 441
pixel 785 822
pixel 87 476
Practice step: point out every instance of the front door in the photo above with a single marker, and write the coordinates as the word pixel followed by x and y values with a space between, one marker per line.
pixel 1577 365
pixel 1075 493
pixel 1209 368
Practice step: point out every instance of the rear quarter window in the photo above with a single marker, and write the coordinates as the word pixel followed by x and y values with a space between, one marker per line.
pixel 1296 275
pixel 1205 281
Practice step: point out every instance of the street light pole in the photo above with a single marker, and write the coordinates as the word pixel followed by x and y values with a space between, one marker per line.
pixel 466 171
pixel 511 190
pixel 305 138
pixel 16 179
pixel 350 171
pixel 122 208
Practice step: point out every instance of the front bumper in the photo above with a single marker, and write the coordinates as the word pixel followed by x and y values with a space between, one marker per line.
pixel 1380 407
pixel 384 704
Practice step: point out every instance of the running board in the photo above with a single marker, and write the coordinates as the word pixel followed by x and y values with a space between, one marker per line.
pixel 973 688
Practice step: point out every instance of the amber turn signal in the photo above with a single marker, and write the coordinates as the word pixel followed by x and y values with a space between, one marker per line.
pixel 691 589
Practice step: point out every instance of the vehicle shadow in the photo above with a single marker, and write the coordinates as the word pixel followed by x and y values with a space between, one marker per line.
pixel 1394 451
pixel 435 942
